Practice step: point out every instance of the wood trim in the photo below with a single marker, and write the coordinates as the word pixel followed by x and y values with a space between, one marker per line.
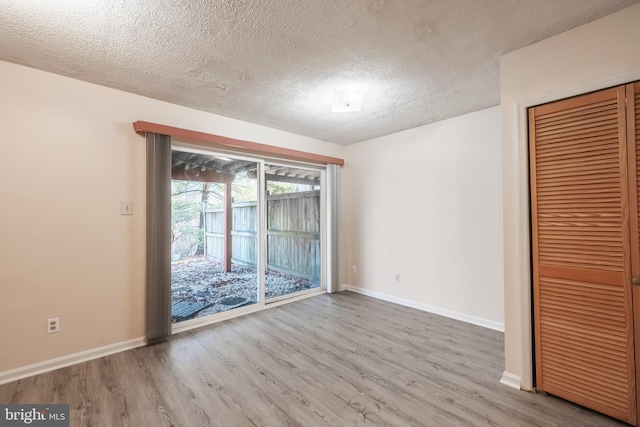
pixel 576 101
pixel 612 278
pixel 217 141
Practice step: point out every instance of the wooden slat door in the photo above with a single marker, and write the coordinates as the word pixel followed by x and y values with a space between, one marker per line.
pixel 581 252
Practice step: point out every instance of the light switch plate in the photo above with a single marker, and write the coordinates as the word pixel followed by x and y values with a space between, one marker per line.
pixel 126 208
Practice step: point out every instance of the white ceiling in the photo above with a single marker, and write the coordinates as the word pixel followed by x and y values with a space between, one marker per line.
pixel 277 62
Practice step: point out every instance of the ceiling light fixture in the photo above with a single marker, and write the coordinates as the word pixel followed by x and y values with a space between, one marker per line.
pixel 345 101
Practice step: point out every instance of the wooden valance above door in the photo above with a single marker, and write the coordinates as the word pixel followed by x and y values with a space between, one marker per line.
pixel 217 141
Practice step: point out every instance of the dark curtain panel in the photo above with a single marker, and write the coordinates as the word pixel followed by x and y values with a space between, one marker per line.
pixel 158 319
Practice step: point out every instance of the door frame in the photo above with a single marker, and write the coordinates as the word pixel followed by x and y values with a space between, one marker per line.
pixel 323 227
pixel 522 250
pixel 263 303
pixel 574 271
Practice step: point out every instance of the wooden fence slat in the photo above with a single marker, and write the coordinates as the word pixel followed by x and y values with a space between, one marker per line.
pixel 293 234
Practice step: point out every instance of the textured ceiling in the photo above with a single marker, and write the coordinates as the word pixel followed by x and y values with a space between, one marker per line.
pixel 277 62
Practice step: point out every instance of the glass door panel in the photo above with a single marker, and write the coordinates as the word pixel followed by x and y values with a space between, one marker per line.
pixel 293 230
pixel 214 234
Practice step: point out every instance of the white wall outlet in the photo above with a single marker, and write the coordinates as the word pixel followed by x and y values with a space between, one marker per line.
pixel 354 269
pixel 398 278
pixel 126 208
pixel 53 325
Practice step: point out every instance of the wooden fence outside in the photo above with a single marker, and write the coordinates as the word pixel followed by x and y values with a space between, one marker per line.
pixel 293 234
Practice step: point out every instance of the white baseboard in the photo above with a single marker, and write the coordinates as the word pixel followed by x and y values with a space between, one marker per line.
pixel 497 326
pixel 72 359
pixel 510 380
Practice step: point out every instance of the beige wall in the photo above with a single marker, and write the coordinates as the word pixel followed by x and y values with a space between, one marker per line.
pixel 426 203
pixel 597 55
pixel 69 156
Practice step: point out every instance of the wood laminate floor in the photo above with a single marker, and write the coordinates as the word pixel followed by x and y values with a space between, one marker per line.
pixel 332 360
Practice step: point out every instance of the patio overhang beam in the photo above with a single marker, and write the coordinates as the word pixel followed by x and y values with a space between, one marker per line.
pixel 293 179
pixel 201 176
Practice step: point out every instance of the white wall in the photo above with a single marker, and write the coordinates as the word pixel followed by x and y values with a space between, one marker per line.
pixel 594 56
pixel 69 156
pixel 427 203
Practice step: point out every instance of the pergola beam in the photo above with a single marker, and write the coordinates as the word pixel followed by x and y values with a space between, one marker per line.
pixel 183 174
pixel 293 179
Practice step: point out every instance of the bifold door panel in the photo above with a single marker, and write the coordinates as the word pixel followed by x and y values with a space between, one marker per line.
pixel 581 236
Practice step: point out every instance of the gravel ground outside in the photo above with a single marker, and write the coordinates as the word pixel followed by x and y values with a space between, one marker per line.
pixel 200 282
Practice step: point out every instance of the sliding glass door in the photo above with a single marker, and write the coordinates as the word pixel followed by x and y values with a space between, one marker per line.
pixel 243 233
pixel 294 228
pixel 214 234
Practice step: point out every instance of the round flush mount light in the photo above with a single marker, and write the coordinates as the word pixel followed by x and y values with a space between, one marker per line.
pixel 345 101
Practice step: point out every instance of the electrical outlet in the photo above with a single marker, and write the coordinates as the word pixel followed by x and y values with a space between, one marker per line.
pixel 53 325
pixel 354 269
pixel 398 278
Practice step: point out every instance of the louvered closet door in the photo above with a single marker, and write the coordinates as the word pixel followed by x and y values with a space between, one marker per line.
pixel 581 252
